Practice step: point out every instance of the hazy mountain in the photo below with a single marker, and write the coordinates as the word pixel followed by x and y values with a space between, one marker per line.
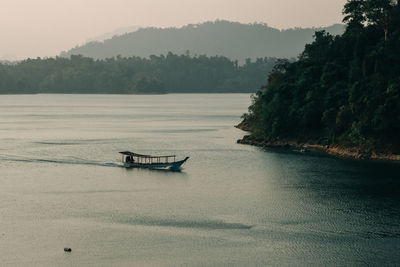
pixel 231 39
pixel 117 32
pixel 9 57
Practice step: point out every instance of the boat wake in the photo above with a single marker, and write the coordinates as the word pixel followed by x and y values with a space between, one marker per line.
pixel 202 224
pixel 71 161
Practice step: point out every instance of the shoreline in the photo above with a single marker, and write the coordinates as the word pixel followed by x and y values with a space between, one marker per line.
pixel 104 93
pixel 332 150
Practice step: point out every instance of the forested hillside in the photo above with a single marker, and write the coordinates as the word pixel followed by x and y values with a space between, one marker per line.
pixel 157 74
pixel 344 90
pixel 223 38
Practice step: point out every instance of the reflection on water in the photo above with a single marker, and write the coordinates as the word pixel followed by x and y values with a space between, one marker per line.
pixel 63 185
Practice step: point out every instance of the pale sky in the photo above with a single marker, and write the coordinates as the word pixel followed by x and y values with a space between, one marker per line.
pixel 32 28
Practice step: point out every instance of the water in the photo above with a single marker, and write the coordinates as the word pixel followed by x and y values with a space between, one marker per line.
pixel 62 185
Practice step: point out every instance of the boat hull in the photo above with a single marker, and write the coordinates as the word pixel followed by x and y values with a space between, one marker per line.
pixel 167 165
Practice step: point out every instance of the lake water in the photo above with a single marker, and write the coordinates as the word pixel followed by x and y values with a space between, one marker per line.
pixel 62 185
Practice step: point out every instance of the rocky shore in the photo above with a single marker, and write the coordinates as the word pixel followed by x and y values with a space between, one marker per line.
pixel 334 150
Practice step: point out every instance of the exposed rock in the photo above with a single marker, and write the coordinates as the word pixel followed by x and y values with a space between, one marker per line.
pixel 244 125
pixel 335 150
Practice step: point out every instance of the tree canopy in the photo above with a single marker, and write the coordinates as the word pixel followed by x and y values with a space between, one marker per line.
pixel 169 73
pixel 343 89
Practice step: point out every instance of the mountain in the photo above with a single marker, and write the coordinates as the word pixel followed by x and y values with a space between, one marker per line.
pixel 230 39
pixel 117 32
pixel 8 57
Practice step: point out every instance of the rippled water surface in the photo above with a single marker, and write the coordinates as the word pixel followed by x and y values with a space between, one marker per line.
pixel 62 185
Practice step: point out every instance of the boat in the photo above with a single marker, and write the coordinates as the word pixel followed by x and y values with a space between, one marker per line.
pixel 132 160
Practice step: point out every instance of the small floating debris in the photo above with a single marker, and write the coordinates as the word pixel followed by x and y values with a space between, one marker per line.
pixel 303 150
pixel 67 249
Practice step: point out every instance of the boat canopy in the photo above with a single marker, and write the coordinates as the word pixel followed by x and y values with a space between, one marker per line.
pixel 128 153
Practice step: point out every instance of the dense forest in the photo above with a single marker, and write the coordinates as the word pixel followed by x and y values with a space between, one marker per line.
pixel 224 38
pixel 134 75
pixel 343 90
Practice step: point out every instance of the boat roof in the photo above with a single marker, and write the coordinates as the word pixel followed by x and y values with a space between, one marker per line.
pixel 128 153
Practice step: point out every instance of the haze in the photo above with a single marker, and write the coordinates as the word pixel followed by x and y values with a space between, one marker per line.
pixel 46 27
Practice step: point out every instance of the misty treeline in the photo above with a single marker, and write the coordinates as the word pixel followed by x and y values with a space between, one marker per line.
pixel 134 75
pixel 342 90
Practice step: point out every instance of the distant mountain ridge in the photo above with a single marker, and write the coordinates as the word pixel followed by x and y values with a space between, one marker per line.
pixel 223 38
pixel 116 32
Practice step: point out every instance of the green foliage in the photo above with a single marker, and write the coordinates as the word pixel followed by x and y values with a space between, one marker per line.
pixel 381 13
pixel 354 13
pixel 343 89
pixel 157 74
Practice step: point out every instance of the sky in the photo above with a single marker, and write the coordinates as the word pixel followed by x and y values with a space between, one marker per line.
pixel 44 28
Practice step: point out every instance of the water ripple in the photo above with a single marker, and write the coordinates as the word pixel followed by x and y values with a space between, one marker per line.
pixel 59 161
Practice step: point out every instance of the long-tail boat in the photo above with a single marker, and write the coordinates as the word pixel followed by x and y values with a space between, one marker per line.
pixel 131 160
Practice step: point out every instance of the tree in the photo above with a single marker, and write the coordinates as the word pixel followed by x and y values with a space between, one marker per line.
pixel 342 90
pixel 379 12
pixel 156 74
pixel 354 13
